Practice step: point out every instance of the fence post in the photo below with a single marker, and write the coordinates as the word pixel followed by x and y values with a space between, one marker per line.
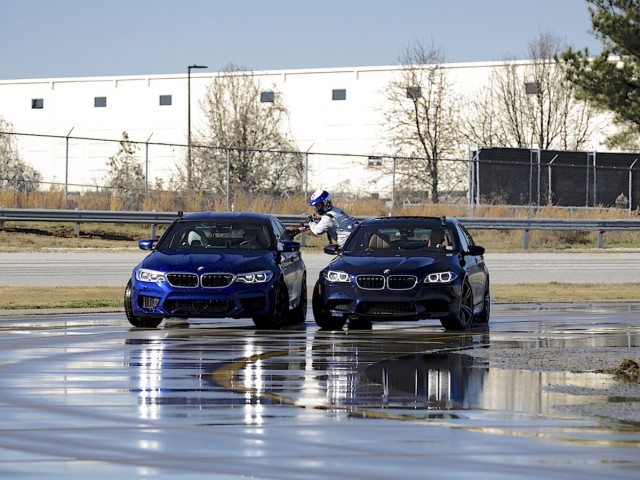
pixel 539 177
pixel 306 172
pixel 66 168
pixel 595 181
pixel 549 201
pixel 600 238
pixel 631 186
pixel 146 166
pixel 229 176
pixel 526 240
pixel 471 176
pixel 531 153
pixel 76 227
pixel 393 185
pixel 477 177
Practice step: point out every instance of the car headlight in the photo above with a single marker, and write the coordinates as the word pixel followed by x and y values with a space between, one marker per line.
pixel 144 275
pixel 441 277
pixel 337 276
pixel 255 277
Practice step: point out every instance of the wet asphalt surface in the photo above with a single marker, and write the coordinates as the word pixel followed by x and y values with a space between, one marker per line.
pixel 85 396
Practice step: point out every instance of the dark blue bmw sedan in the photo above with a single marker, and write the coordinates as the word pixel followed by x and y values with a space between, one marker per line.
pixel 220 265
pixel 404 268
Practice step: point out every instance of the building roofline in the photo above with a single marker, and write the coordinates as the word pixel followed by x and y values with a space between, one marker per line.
pixel 299 71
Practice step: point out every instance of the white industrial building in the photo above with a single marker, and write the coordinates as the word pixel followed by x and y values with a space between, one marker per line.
pixel 330 110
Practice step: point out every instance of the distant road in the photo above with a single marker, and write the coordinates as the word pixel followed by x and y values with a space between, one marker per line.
pixel 114 268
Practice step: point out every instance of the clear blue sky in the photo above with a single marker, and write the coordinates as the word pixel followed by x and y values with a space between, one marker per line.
pixel 77 38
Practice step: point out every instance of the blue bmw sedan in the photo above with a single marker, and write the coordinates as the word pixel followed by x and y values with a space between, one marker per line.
pixel 404 268
pixel 220 265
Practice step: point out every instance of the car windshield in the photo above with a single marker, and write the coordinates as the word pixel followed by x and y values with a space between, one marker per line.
pixel 217 234
pixel 401 237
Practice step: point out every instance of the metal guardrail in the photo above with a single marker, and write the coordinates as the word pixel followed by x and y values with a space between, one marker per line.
pixel 566 224
pixel 157 218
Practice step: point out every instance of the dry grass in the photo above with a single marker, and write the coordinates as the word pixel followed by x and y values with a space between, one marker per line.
pixel 172 201
pixel 18 235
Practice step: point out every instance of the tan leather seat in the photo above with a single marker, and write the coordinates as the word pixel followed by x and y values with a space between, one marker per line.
pixel 377 242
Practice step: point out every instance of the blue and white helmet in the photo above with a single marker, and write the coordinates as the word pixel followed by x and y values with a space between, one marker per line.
pixel 321 200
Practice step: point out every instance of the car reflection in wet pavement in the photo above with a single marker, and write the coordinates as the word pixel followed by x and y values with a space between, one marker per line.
pixel 85 396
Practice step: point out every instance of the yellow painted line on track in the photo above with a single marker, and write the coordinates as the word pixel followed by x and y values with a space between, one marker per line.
pixel 226 374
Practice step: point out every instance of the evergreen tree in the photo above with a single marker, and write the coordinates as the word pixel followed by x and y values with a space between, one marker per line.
pixel 612 79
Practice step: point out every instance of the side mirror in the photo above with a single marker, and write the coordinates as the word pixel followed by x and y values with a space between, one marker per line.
pixel 475 250
pixel 288 246
pixel 332 249
pixel 146 244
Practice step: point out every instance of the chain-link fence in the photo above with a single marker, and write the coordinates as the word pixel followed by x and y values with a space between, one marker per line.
pixel 77 172
pixel 555 178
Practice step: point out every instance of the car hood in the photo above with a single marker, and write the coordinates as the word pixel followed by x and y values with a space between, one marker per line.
pixel 208 262
pixel 359 265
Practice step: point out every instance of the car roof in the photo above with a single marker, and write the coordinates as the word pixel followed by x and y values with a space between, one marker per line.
pixel 410 219
pixel 249 216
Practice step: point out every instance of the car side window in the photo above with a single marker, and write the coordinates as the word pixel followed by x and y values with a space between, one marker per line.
pixel 279 230
pixel 466 238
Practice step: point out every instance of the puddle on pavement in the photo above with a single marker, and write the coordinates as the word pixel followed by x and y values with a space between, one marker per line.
pixel 399 371
pixel 460 382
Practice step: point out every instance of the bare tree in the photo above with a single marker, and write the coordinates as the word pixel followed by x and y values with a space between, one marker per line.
pixel 527 104
pixel 422 118
pixel 15 174
pixel 125 175
pixel 252 135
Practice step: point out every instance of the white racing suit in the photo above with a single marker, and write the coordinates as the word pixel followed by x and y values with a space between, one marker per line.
pixel 335 222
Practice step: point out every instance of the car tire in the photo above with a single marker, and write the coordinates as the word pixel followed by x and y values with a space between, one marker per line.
pixel 321 316
pixel 299 314
pixel 483 316
pixel 134 320
pixel 463 318
pixel 280 314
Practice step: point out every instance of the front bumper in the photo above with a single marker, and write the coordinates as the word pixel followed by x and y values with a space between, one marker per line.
pixel 424 301
pixel 235 301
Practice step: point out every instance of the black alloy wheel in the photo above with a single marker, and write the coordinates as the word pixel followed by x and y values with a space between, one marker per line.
pixel 320 314
pixel 280 315
pixel 299 313
pixel 463 319
pixel 483 316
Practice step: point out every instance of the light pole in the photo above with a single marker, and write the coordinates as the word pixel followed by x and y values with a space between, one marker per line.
pixel 189 161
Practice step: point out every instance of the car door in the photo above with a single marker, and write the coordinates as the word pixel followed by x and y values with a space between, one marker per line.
pixel 476 268
pixel 291 264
